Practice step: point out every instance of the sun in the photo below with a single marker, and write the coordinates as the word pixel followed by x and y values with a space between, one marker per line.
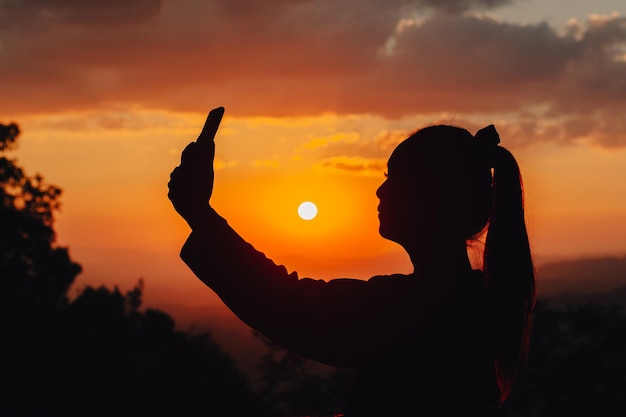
pixel 307 210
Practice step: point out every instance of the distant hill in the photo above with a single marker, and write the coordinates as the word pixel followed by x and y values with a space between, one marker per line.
pixel 608 298
pixel 581 276
pixel 600 280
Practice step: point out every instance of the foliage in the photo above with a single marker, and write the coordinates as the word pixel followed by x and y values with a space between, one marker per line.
pixel 292 385
pixel 577 365
pixel 99 354
pixel 34 273
pixel 8 136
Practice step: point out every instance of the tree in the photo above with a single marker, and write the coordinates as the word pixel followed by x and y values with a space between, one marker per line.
pixel 292 385
pixel 99 354
pixel 577 365
pixel 118 357
pixel 34 273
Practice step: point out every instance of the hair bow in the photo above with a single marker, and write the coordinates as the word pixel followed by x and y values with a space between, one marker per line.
pixel 488 136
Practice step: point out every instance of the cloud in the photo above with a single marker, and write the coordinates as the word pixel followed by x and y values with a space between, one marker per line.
pixel 218 164
pixel 388 140
pixel 599 75
pixel 376 148
pixel 492 53
pixel 265 163
pixel 129 119
pixel 81 12
pixel 459 6
pixel 325 141
pixel 306 57
pixel 353 165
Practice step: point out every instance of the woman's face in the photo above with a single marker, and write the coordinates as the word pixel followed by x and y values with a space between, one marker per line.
pixel 405 210
pixel 388 195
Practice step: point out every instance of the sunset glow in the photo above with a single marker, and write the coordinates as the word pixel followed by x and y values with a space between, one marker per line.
pixel 313 111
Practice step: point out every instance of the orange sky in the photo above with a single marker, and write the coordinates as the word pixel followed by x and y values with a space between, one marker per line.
pixel 317 95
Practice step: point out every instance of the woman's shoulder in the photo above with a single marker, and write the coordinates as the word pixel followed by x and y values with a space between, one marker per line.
pixel 382 279
pixel 471 279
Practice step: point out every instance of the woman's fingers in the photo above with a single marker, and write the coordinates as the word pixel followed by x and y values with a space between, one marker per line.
pixel 191 183
pixel 199 155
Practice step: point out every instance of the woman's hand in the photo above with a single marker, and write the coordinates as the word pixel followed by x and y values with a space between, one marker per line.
pixel 191 183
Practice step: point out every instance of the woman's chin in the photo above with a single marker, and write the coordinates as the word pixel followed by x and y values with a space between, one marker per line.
pixel 388 233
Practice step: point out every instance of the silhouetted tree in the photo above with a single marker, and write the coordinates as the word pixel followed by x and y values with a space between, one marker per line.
pixel 294 386
pixel 577 364
pixel 99 354
pixel 34 273
pixel 137 361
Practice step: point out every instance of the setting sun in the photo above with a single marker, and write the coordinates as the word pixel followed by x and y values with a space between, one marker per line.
pixel 307 210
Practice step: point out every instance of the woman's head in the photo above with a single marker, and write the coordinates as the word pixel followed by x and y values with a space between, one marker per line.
pixel 438 186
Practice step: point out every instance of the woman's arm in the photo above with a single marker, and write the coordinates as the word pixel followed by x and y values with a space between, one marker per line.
pixel 342 322
pixel 305 316
pixel 323 321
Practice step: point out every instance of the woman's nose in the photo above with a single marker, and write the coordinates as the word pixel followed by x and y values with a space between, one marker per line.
pixel 380 189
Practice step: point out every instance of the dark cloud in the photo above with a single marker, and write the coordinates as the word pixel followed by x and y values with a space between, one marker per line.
pixel 307 57
pixel 459 6
pixel 84 12
pixel 598 78
pixel 463 64
pixel 491 52
pixel 355 165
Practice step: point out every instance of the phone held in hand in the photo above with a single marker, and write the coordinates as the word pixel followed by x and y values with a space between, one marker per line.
pixel 211 125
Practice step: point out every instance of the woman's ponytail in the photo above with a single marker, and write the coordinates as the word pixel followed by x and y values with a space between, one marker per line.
pixel 507 264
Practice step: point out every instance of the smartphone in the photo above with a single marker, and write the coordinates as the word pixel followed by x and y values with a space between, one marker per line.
pixel 211 125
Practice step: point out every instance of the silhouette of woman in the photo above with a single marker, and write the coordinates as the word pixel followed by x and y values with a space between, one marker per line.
pixel 445 340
